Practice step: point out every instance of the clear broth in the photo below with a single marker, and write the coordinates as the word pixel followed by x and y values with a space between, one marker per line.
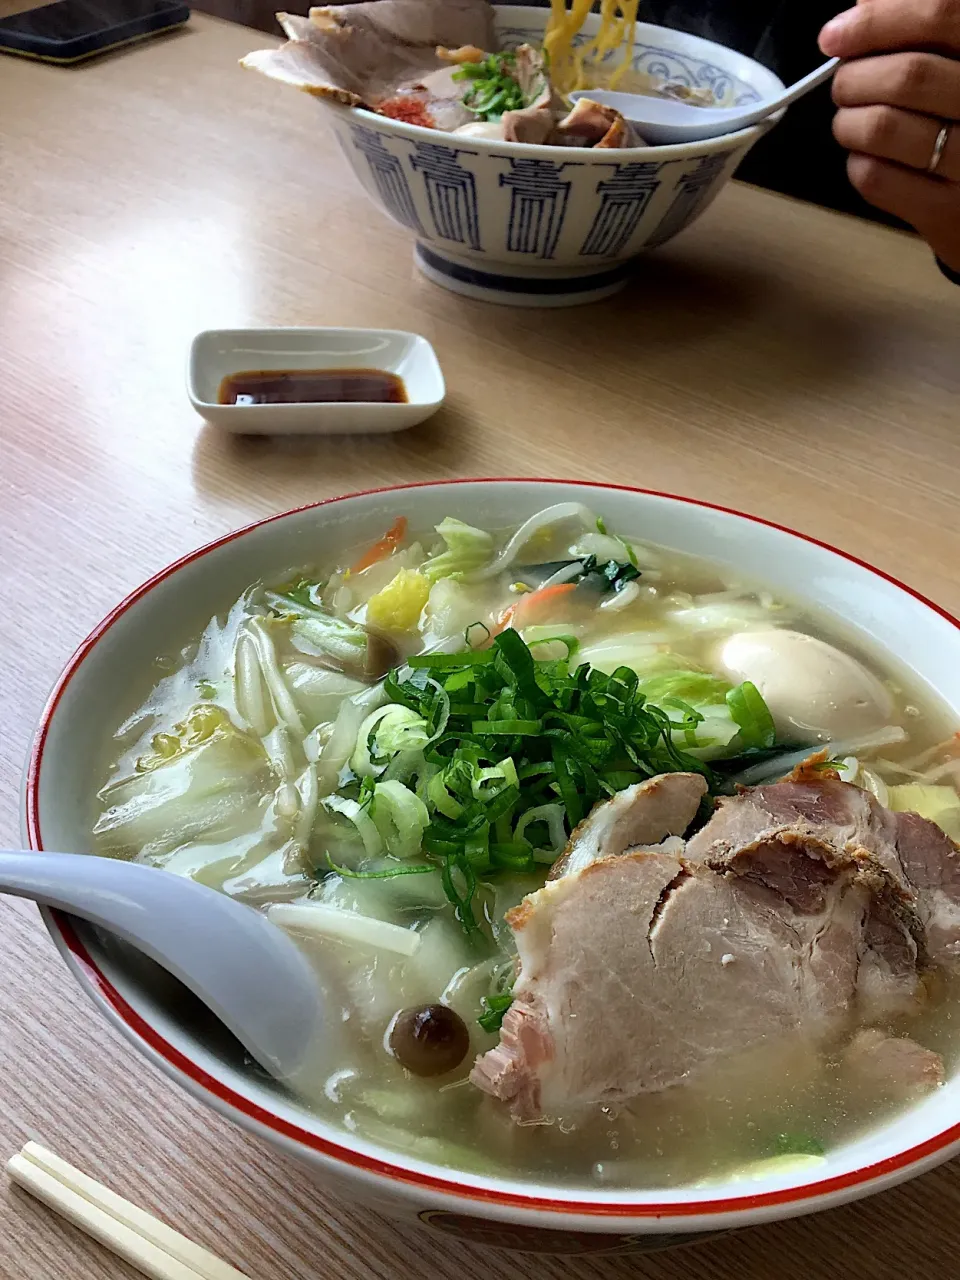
pixel 746 1110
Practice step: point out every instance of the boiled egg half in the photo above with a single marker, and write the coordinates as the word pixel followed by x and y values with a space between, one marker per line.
pixel 815 692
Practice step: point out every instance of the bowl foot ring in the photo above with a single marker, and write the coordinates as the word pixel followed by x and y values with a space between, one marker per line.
pixel 547 290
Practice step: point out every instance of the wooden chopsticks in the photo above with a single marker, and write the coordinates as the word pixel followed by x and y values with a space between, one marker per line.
pixel 131 1233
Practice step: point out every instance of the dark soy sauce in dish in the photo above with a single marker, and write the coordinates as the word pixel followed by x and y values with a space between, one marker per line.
pixel 312 386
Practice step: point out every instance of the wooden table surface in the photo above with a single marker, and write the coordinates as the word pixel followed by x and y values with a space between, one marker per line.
pixel 778 358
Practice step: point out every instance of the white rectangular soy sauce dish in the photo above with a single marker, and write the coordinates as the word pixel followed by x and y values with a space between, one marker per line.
pixel 217 353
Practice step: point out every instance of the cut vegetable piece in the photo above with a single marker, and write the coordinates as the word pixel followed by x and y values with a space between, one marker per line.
pixel 467 549
pixel 339 746
pixel 938 803
pixel 400 816
pixel 642 651
pixel 450 610
pixel 359 815
pixel 216 789
pixel 537 606
pixel 330 922
pixel 752 715
pixel 385 547
pixel 399 605
pixel 622 599
pixel 535 528
pixel 248 687
pixel 283 703
pixel 384 734
pixel 601 547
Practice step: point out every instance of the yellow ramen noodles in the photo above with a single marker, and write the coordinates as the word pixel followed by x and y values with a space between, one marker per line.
pixel 581 66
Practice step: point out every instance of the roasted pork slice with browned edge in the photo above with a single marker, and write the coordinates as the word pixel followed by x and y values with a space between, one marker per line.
pixel 359 54
pixel 643 815
pixel 789 915
pixel 841 823
pixel 637 971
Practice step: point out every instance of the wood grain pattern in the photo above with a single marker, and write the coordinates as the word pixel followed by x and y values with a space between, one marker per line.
pixel 778 358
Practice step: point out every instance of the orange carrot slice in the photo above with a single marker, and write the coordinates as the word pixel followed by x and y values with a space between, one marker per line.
pixel 529 607
pixel 385 547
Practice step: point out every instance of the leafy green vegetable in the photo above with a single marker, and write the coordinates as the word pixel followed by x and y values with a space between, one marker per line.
pixel 611 576
pixel 202 781
pixel 467 549
pixel 303 593
pixel 699 688
pixel 199 725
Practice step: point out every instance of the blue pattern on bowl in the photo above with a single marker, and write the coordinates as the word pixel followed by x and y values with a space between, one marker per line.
pixel 623 198
pixel 451 192
pixel 538 204
pixel 425 186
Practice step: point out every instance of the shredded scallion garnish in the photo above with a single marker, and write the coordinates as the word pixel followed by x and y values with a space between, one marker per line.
pixel 519 749
pixel 492 86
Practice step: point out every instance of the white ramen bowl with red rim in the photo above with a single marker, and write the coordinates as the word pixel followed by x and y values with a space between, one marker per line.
pixel 514 223
pixel 109 675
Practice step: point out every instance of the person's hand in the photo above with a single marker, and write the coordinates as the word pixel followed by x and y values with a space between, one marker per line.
pixel 898 87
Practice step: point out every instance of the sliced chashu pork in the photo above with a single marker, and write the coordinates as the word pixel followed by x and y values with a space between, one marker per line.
pixel 360 54
pixel 638 969
pixel 840 823
pixel 894 1066
pixel 642 816
pixel 588 125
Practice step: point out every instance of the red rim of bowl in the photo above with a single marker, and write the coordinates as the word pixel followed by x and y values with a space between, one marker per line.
pixel 370 1164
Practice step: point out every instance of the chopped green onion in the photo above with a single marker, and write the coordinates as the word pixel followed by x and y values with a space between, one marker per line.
pixel 508 727
pixel 550 814
pixel 443 661
pixel 388 873
pixel 361 819
pixel 400 817
pixel 506 742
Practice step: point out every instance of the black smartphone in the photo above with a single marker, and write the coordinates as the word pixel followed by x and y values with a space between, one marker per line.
pixel 71 30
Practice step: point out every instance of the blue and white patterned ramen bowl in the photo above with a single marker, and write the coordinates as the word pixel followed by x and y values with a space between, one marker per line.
pixel 548 226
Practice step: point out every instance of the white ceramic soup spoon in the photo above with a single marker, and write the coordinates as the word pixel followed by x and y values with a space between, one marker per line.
pixel 662 121
pixel 243 968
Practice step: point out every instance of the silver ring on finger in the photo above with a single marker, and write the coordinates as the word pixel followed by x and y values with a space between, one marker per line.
pixel 939 146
